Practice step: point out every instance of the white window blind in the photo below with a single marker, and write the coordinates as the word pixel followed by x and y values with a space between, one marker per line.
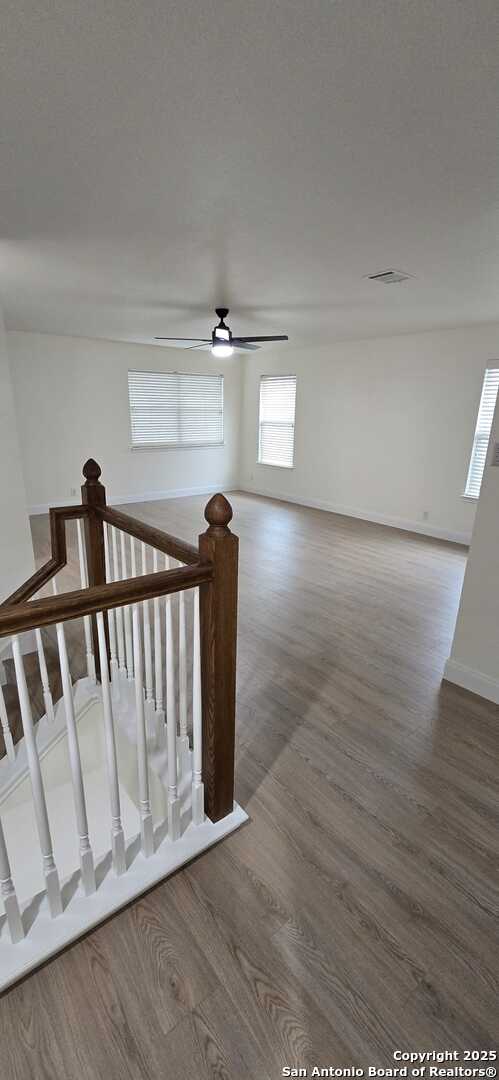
pixel 277 420
pixel 482 432
pixel 172 409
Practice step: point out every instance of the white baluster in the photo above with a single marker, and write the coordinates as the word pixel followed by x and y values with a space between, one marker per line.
pixel 127 612
pixel 86 618
pixel 47 694
pixel 118 611
pixel 158 666
pixel 8 894
pixel 86 856
pixel 171 722
pixel 10 749
pixel 117 835
pixel 183 742
pixel 42 821
pixel 150 707
pixel 111 615
pixel 146 826
pixel 197 722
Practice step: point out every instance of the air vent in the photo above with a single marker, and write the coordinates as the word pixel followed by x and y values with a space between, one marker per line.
pixel 389 277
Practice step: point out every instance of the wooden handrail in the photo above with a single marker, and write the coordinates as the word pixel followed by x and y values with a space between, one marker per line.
pixel 169 545
pixel 58 559
pixel 72 605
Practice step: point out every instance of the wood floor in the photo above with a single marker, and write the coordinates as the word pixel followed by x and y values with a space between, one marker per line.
pixel 357 912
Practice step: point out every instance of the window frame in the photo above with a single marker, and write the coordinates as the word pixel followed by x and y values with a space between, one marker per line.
pixel 155 447
pixel 273 464
pixel 492 366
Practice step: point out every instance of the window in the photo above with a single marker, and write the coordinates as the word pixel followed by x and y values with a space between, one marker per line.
pixel 172 409
pixel 482 432
pixel 276 441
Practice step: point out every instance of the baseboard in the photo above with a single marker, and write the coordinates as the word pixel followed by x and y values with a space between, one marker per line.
pixel 82 913
pixel 470 679
pixel 425 528
pixel 139 496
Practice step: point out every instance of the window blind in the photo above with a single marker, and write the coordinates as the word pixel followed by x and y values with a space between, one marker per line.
pixel 168 408
pixel 482 432
pixel 277 420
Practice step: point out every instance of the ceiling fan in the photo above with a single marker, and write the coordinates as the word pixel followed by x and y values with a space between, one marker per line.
pixel 222 341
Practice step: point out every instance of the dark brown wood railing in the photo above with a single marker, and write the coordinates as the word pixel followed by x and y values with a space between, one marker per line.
pixel 213 567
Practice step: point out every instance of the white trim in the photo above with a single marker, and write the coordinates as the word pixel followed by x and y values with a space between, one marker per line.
pixel 81 913
pixel 366 515
pixel 470 679
pixel 406 525
pixel 154 448
pixel 272 465
pixel 140 496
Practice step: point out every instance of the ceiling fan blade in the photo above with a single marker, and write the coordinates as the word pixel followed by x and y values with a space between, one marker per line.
pixel 201 339
pixel 200 345
pixel 244 345
pixel 274 337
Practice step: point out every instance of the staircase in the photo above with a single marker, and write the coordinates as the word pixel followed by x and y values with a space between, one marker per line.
pixel 117 753
pixel 35 690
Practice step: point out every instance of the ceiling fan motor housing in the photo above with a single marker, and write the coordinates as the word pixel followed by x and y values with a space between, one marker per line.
pixel 225 337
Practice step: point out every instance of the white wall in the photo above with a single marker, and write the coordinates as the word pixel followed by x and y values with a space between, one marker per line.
pixel 474 659
pixel 72 403
pixel 16 551
pixel 384 427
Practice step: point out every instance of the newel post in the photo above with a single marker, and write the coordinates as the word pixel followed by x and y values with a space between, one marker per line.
pixel 93 494
pixel 218 617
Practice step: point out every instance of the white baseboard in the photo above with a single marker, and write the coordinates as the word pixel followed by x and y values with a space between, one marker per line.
pixel 423 527
pixel 139 496
pixel 470 679
pixel 82 913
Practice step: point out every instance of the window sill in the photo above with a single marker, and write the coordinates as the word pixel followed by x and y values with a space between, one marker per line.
pixel 272 465
pixel 469 498
pixel 174 446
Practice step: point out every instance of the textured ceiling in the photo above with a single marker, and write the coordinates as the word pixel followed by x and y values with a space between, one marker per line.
pixel 159 159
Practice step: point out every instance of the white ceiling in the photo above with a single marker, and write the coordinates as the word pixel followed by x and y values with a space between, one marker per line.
pixel 162 158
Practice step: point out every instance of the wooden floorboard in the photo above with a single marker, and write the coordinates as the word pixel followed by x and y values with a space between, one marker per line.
pixel 357 912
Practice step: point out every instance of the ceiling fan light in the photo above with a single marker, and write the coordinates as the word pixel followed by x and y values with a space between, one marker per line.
pixel 221 350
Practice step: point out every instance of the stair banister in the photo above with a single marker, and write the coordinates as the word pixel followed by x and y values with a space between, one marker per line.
pixel 39 800
pixel 171 722
pixel 8 894
pixel 120 632
pixel 117 835
pixel 73 605
pixel 212 568
pixel 111 614
pixel 191 777
pixel 93 496
pixel 218 548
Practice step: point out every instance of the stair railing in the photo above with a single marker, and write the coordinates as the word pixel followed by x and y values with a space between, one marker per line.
pixel 124 643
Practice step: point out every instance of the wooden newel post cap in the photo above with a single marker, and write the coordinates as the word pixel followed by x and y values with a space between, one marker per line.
pixel 218 513
pixel 91 471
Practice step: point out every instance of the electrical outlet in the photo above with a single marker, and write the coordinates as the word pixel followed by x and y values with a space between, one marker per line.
pixel 72 491
pixel 425 515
